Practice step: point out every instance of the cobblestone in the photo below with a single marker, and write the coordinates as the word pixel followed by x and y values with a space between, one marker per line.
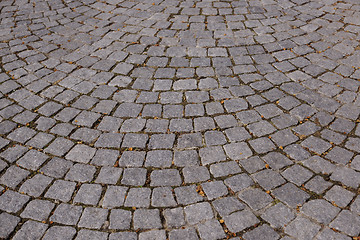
pixel 184 120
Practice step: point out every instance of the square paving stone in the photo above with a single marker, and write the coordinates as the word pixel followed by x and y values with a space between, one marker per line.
pixel 330 234
pixel 186 158
pixel 8 223
pixel 346 176
pixel 264 232
pixel 211 229
pixel 284 121
pixel 153 234
pixel 355 206
pixel 235 105
pixel 123 235
pixel 318 185
pixel 66 214
pixel 163 197
pixel 250 116
pixel 59 147
pixel 93 218
pixel 203 123
pixel 278 215
pixel 22 134
pixel 114 196
pixel 255 198
pixel 105 157
pixel 268 179
pixel 181 125
pixel 210 155
pixel 109 140
pixel 190 140
pixel 132 159
pixel 13 176
pixel 340 196
pixel 252 164
pixel 88 194
pixel 277 160
pixel 320 210
pixel 302 228
pixel 56 167
pixel 85 234
pixel 342 125
pixel 81 153
pixel 193 174
pixel 297 174
pixel 225 169
pixel 227 205
pixel 38 210
pixel 133 125
pixel 238 182
pixel 214 138
pixel 86 135
pixel 60 233
pixel 159 159
pixel 186 233
pixel 291 195
pixel 134 176
pixel 135 140
pixel 86 118
pixel 261 128
pixel 262 145
pixel 238 151
pixel 156 125
pixel 284 137
pixel 319 165
pixel 339 155
pixel 166 177
pixel 316 145
pixel 120 219
pixel 81 173
pixel 214 189
pixel 268 110
pixel 332 136
pixel 109 175
pixel 138 197
pixel 61 190
pixel 110 124
pixel 32 160
pixel 187 195
pixel 174 217
pixel 147 219
pixel 31 230
pixel 238 221
pixel 40 140
pixel 225 121
pixel 198 212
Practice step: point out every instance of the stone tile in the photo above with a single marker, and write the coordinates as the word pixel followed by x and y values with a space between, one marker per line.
pixel 66 214
pixel 93 218
pixel 31 229
pixel 241 220
pixel 278 215
pixel 302 228
pixel 347 222
pixel 147 219
pixel 198 212
pixel 320 210
pixel 38 210
pixel 8 223
pixel 291 195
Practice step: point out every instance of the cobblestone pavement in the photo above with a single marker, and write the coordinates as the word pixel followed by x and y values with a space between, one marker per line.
pixel 167 119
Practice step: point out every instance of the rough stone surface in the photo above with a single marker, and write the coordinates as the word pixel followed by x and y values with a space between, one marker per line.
pixel 179 119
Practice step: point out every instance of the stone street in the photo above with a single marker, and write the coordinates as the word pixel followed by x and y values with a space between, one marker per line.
pixel 179 120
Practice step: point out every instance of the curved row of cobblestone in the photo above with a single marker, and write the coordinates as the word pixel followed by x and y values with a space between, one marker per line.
pixel 167 119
